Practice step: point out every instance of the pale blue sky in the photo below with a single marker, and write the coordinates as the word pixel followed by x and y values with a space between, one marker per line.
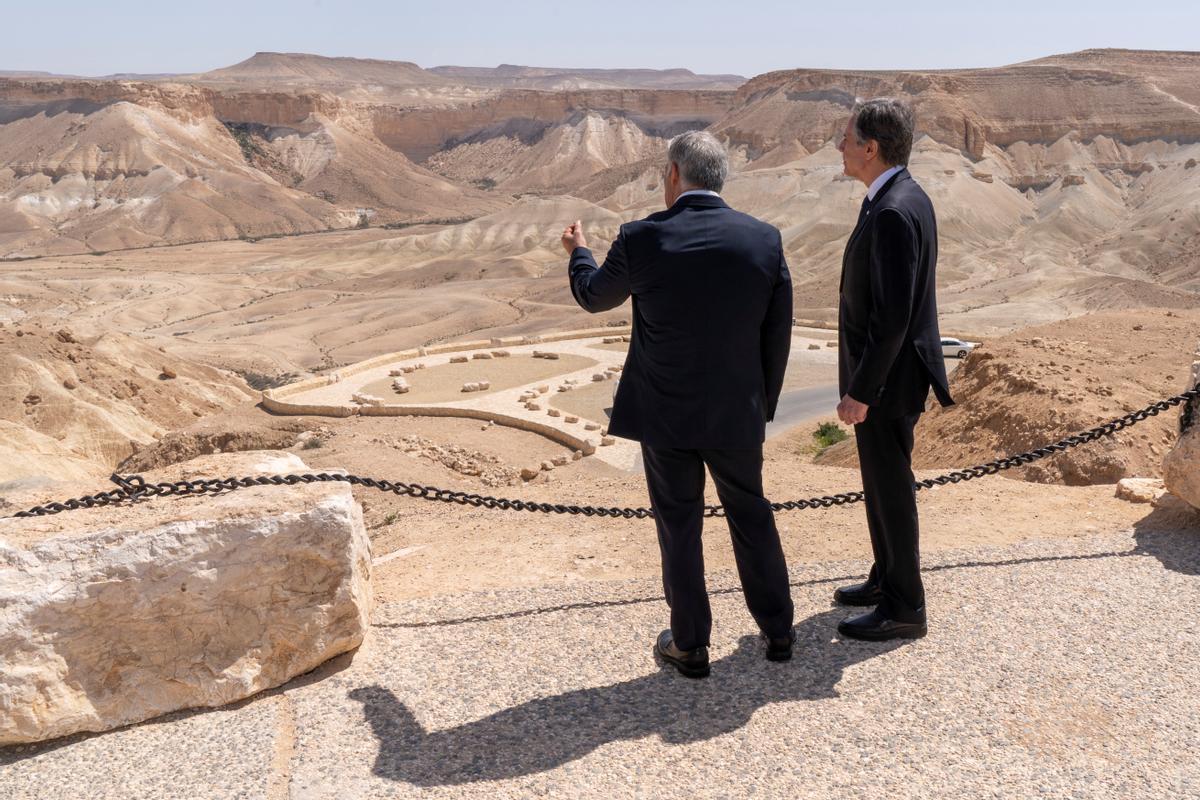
pixel 748 38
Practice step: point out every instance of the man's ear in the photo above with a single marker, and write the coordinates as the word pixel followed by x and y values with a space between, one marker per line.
pixel 871 149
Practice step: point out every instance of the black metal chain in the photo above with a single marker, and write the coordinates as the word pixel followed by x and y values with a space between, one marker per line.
pixel 135 488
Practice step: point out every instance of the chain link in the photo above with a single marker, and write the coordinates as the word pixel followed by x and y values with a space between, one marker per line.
pixel 134 488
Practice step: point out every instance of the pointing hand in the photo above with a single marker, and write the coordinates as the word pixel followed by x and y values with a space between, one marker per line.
pixel 573 237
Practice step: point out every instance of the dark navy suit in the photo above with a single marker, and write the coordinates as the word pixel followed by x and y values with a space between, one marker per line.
pixel 712 317
pixel 889 356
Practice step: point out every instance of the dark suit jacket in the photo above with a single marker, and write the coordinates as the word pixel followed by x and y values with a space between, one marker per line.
pixel 712 324
pixel 890 349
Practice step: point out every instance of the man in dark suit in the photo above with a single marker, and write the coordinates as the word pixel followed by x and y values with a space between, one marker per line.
pixel 889 354
pixel 712 317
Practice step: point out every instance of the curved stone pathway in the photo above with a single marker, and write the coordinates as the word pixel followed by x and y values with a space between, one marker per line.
pixel 621 453
pixel 1067 669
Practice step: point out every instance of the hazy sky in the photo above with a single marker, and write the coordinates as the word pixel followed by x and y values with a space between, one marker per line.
pixel 735 36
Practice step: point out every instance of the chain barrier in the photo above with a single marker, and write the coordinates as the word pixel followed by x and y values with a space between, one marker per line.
pixel 133 488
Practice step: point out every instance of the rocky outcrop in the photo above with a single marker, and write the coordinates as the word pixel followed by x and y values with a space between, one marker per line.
pixel 1113 95
pixel 421 132
pixel 113 616
pixel 1181 467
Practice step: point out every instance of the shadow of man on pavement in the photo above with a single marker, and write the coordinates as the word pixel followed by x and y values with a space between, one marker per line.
pixel 545 733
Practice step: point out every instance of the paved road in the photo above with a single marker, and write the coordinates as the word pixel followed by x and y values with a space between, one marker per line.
pixel 799 405
pixel 1059 669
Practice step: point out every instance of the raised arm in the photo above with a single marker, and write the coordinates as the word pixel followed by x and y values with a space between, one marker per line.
pixel 597 288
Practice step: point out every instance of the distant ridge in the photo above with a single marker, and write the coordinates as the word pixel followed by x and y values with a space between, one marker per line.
pixel 269 70
pixel 514 76
pixel 319 71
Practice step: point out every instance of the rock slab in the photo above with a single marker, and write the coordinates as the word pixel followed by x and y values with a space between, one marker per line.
pixel 175 604
pixel 1181 467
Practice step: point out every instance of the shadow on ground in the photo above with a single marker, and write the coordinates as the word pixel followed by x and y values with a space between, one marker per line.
pixel 1171 533
pixel 548 732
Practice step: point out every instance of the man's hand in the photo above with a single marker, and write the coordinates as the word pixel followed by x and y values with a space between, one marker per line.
pixel 573 237
pixel 852 412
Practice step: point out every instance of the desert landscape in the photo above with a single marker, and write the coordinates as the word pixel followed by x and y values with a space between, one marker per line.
pixel 299 263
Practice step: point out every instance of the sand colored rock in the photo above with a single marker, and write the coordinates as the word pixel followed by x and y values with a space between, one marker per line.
pixel 1181 467
pixel 1140 490
pixel 75 405
pixel 114 616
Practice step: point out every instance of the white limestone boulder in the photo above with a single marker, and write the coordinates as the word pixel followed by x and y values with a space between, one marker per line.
pixel 1181 467
pixel 113 616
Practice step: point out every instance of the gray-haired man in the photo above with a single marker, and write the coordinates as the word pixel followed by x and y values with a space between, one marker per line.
pixel 712 315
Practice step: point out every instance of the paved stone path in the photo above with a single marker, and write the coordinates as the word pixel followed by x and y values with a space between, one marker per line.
pixel 622 453
pixel 1066 669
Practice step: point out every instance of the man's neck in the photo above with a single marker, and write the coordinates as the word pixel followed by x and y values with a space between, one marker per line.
pixel 875 171
pixel 693 190
pixel 881 180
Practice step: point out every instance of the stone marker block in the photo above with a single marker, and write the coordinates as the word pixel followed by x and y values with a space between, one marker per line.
pixel 126 614
pixel 1140 490
pixel 366 399
pixel 458 359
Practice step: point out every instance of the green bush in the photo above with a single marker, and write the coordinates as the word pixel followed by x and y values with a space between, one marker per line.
pixel 828 434
pixel 313 443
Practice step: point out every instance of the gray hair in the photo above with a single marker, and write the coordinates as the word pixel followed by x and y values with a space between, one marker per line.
pixel 701 158
pixel 889 121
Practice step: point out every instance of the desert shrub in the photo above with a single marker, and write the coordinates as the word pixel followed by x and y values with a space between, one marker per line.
pixel 828 434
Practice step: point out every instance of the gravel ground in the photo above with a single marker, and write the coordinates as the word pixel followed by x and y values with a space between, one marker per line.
pixel 1063 669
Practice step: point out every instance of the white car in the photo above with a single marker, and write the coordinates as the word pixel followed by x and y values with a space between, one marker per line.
pixel 957 348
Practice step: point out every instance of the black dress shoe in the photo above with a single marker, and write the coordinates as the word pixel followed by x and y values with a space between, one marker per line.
pixel 779 649
pixel 874 627
pixel 860 594
pixel 690 663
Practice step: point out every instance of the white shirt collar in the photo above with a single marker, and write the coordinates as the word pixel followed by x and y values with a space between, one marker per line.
pixel 708 192
pixel 878 183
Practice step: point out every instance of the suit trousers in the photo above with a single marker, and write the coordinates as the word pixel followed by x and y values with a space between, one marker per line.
pixel 675 479
pixel 885 459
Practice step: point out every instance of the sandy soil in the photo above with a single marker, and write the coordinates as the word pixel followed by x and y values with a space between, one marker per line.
pixel 422 546
pixel 591 401
pixel 443 383
pixel 1043 383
